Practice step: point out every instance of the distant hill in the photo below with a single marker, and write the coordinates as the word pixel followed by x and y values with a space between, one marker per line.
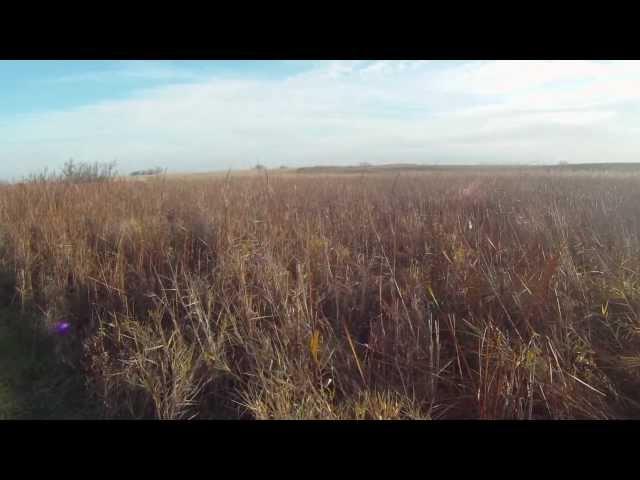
pixel 408 167
pixel 371 168
pixel 598 166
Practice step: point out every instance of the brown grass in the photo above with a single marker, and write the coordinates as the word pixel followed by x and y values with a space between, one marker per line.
pixel 446 294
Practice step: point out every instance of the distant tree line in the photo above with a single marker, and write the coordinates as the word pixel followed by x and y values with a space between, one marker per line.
pixel 150 171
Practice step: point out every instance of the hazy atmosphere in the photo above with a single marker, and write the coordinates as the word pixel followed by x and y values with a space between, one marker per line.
pixel 216 115
pixel 447 240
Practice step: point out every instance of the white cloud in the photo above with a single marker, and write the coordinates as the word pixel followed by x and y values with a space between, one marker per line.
pixel 507 77
pixel 547 84
pixel 344 112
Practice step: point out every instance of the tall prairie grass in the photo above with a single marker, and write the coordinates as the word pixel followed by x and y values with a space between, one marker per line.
pixel 434 295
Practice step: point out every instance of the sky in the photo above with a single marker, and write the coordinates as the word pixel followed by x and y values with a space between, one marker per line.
pixel 219 115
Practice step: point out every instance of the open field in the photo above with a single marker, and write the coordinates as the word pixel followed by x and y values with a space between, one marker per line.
pixel 446 293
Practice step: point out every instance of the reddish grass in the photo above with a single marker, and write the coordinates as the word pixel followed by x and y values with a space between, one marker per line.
pixel 465 294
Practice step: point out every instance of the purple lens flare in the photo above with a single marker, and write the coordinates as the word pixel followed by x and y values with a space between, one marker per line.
pixel 62 328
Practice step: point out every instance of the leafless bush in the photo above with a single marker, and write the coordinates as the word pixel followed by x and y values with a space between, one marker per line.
pixel 78 172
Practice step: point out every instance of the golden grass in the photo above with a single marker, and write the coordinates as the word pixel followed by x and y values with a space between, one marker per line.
pixel 448 294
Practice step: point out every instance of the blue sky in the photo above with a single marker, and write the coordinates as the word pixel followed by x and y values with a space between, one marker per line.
pixel 215 115
pixel 35 86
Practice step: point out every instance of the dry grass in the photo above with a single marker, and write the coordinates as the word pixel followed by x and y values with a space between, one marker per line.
pixel 462 294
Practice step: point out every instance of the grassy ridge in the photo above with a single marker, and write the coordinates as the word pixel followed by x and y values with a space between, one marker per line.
pixel 445 294
pixel 597 168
